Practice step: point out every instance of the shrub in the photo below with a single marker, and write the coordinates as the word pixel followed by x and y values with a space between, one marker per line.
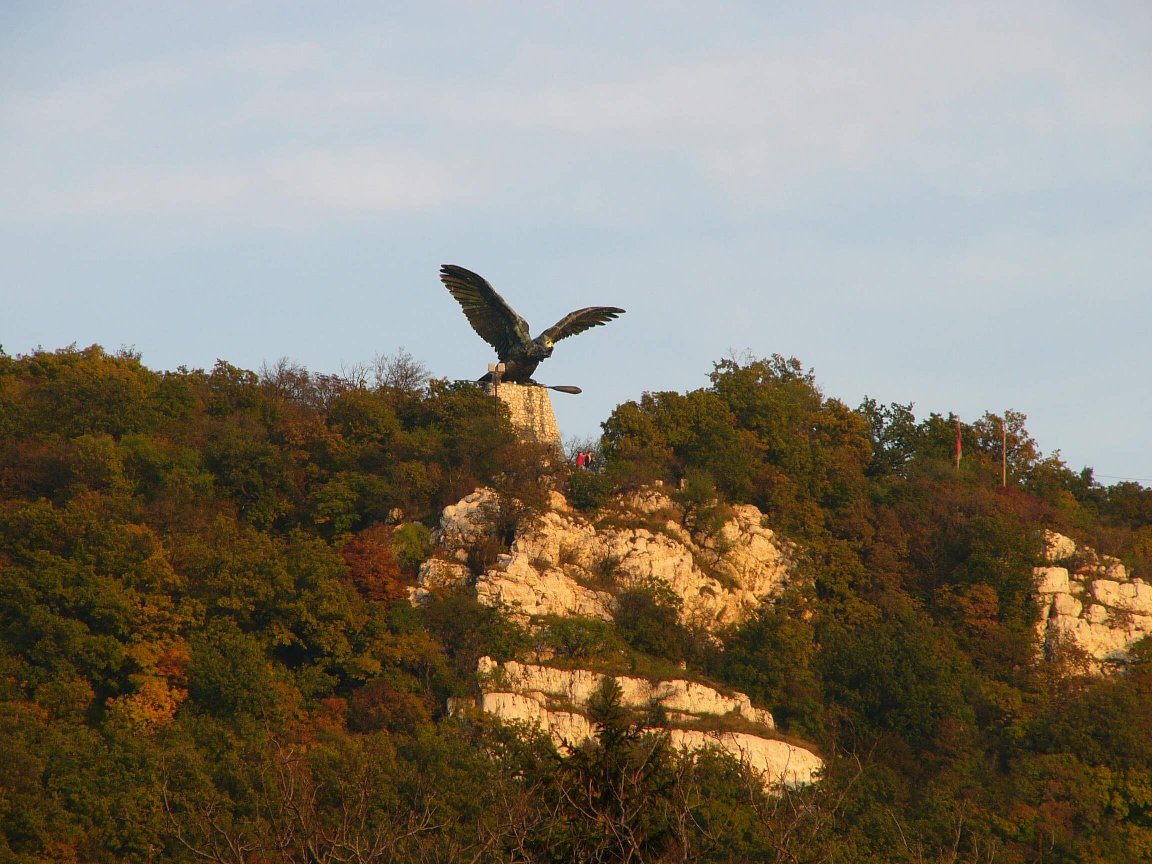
pixel 649 620
pixel 412 543
pixel 469 630
pixel 582 638
pixel 588 490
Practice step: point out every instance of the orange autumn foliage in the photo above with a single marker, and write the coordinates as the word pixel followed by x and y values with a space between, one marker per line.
pixel 372 564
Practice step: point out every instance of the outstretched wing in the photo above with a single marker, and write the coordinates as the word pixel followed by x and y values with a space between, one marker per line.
pixel 581 320
pixel 486 310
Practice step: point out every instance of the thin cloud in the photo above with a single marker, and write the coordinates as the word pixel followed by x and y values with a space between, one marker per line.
pixel 346 181
pixel 964 103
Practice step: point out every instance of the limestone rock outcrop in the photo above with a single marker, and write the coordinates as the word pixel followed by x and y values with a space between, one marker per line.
pixel 563 564
pixel 466 522
pixel 554 700
pixel 1090 602
pixel 685 698
pixel 463 524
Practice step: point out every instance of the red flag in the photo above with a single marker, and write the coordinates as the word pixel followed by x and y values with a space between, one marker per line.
pixel 959 445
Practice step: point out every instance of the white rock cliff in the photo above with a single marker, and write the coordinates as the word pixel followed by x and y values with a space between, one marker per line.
pixel 554 701
pixel 561 564
pixel 1090 602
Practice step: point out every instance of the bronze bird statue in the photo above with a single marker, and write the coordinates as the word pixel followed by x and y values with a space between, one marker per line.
pixel 499 326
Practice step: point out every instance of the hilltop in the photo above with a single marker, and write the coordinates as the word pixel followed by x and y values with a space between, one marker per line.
pixel 286 616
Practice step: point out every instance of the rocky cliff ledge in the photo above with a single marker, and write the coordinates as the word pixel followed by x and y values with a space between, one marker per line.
pixel 554 700
pixel 1089 602
pixel 563 563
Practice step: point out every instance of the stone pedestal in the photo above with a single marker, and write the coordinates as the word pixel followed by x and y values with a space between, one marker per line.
pixel 531 411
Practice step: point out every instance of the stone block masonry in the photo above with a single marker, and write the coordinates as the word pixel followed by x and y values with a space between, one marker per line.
pixel 531 411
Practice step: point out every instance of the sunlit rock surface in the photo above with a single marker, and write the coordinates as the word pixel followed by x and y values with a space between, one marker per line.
pixel 555 701
pixel 1089 602
pixel 561 563
pixel 576 687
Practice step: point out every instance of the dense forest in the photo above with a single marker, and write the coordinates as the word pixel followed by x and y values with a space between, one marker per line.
pixel 207 652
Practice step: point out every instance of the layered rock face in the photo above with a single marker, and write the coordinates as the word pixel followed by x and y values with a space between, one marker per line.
pixel 561 564
pixel 683 699
pixel 564 564
pixel 553 700
pixel 1090 602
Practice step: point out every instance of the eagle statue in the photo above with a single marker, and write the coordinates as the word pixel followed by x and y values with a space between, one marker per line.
pixel 499 326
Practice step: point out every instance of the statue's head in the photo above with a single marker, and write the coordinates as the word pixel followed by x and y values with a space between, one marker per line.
pixel 542 346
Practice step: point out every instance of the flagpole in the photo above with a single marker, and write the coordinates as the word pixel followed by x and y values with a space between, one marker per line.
pixel 1003 454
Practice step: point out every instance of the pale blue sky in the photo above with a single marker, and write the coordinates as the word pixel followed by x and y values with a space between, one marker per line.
pixel 942 203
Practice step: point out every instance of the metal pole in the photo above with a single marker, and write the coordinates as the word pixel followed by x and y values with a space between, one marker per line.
pixel 496 370
pixel 1003 453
